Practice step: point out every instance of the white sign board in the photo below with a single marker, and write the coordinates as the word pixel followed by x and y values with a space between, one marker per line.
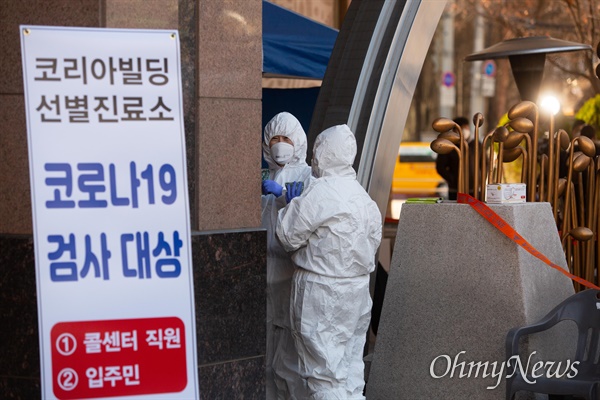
pixel 110 213
pixel 447 96
pixel 488 86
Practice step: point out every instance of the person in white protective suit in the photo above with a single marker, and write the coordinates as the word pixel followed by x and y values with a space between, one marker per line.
pixel 284 150
pixel 333 230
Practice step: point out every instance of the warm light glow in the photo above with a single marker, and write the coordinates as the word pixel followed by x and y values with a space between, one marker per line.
pixel 396 207
pixel 550 103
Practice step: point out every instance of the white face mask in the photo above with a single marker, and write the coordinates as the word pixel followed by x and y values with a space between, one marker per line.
pixel 282 152
pixel 467 134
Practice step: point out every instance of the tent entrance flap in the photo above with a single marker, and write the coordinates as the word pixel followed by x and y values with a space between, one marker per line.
pixel 293 45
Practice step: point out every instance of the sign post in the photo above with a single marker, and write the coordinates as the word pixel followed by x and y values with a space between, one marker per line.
pixel 449 79
pixel 110 213
pixel 488 80
pixel 448 90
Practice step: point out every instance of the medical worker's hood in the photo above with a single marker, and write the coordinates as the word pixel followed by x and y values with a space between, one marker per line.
pixel 334 152
pixel 285 124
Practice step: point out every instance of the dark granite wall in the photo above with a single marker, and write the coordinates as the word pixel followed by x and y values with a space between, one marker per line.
pixel 229 286
pixel 19 343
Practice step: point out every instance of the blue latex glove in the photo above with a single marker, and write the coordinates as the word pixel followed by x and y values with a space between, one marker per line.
pixel 294 189
pixel 269 186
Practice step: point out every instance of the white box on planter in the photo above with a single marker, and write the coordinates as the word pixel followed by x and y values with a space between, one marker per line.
pixel 506 193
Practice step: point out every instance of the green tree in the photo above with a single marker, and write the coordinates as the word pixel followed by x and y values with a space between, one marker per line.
pixel 590 112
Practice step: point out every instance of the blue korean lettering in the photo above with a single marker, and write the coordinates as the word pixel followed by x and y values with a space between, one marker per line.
pixel 168 183
pixel 149 177
pixel 92 190
pixel 139 256
pixel 127 272
pixel 91 260
pixel 135 184
pixel 162 264
pixel 142 246
pixel 115 200
pixel 92 185
pixel 65 181
pixel 62 271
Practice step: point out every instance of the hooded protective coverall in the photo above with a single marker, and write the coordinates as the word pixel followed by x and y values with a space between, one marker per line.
pixel 283 377
pixel 334 230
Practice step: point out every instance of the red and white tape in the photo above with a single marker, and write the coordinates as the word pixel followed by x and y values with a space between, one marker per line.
pixel 513 235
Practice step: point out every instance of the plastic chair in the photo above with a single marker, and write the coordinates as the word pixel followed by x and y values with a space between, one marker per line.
pixel 584 309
